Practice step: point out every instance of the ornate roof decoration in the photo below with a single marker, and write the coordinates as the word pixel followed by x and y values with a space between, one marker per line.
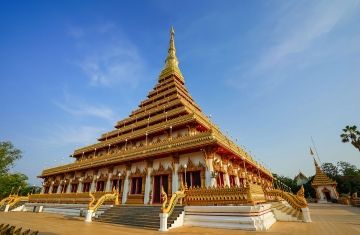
pixel 171 62
pixel 321 178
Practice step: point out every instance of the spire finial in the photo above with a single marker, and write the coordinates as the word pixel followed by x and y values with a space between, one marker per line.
pixel 171 62
pixel 315 162
pixel 171 59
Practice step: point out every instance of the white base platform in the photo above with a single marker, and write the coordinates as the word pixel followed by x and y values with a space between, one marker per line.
pixel 63 209
pixel 258 217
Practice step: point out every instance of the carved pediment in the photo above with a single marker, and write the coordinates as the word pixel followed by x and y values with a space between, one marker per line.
pixel 115 175
pixel 103 177
pixel 161 170
pixel 88 178
pixel 138 173
pixel 192 167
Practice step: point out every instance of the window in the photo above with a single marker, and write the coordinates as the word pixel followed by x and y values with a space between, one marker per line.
pixel 64 188
pixel 220 179
pixel 136 185
pixel 116 184
pixel 74 188
pixel 86 187
pixel 193 178
pixel 54 189
pixel 232 180
pixel 100 186
pixel 46 191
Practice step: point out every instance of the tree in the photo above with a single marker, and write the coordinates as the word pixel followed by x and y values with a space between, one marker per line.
pixel 288 182
pixel 8 155
pixel 12 183
pixel 350 133
pixel 345 174
pixel 330 169
pixel 347 169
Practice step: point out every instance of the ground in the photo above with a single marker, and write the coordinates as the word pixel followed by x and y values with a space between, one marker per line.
pixel 327 219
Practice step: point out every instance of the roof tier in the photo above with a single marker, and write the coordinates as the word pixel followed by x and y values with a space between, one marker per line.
pixel 321 178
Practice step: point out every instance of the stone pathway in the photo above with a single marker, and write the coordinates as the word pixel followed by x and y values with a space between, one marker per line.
pixel 327 219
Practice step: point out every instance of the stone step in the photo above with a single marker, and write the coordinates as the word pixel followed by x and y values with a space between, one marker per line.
pixel 149 226
pixel 137 216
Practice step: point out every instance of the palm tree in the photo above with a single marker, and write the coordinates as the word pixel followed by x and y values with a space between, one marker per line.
pixel 350 133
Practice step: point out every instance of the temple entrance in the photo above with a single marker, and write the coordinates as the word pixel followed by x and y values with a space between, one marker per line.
pixel 159 180
pixel 327 195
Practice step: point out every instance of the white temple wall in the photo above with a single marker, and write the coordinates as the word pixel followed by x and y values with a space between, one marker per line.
pixel 166 162
pixel 195 157
pixel 319 190
pixel 103 171
pixel 119 168
pixel 140 165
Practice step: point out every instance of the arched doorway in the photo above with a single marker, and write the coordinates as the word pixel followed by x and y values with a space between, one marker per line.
pixel 327 194
pixel 160 181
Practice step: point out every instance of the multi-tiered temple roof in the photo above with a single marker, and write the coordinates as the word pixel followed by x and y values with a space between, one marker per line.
pixel 168 107
pixel 321 178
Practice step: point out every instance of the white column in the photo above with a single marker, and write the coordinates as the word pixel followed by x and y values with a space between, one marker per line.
pixel 68 190
pixel 42 190
pixel 147 186
pixel 89 214
pixel 209 180
pixel 306 215
pixel 92 185
pixel 175 178
pixel 126 187
pixel 163 222
pixel 80 187
pixel 227 179
pixel 237 180
pixel 58 189
pixel 108 184
pixel 51 187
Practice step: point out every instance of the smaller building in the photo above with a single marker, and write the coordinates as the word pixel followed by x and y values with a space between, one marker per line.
pixel 325 187
pixel 300 179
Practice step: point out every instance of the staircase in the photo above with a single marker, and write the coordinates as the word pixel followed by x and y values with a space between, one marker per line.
pixel 138 216
pixel 16 205
pixel 284 212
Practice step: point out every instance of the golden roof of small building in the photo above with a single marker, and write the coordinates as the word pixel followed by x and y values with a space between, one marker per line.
pixel 321 178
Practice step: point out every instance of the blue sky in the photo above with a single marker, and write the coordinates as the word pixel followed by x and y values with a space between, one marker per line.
pixel 270 73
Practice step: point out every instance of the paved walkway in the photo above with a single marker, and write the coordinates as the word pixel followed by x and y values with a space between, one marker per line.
pixel 327 219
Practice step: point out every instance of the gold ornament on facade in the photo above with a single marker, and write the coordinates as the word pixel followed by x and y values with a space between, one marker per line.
pixel 114 196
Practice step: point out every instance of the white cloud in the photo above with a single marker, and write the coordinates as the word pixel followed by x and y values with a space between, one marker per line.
pixel 75 107
pixel 117 64
pixel 81 135
pixel 301 27
pixel 297 36
pixel 107 56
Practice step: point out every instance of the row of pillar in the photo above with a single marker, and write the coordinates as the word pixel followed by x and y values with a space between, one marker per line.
pixel 210 181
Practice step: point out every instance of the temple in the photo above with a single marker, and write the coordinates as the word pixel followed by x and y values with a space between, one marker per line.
pixel 300 179
pixel 325 188
pixel 167 148
pixel 166 136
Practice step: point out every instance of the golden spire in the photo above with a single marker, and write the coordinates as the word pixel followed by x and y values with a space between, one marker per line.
pixel 171 62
